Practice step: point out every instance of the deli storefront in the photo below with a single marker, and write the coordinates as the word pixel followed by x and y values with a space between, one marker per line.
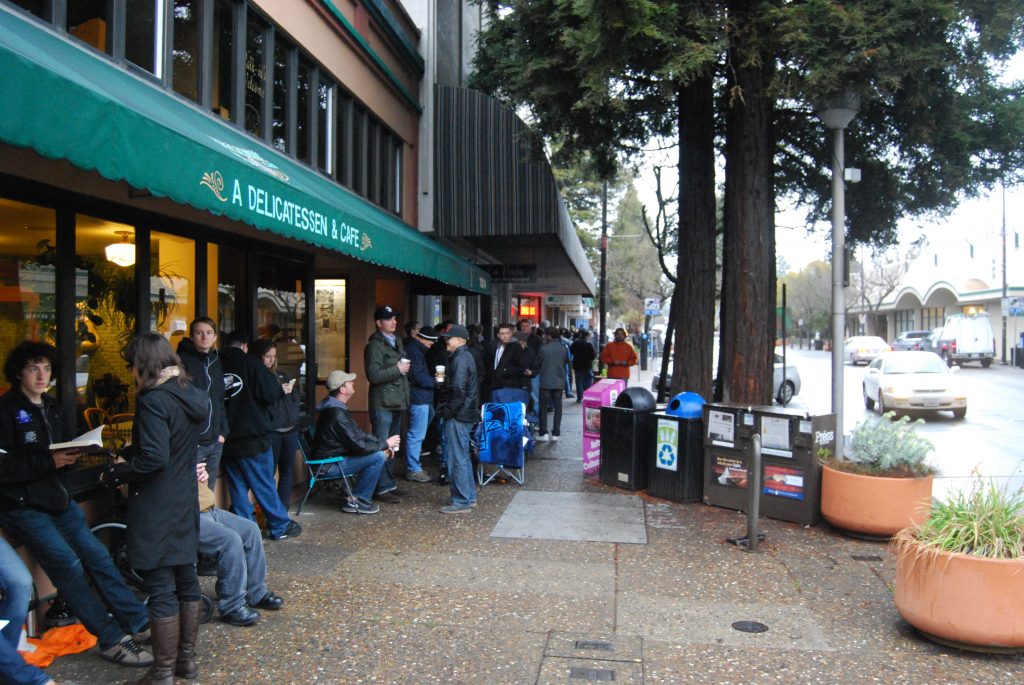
pixel 124 208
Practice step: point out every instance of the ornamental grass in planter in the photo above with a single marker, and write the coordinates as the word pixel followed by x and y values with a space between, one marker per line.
pixel 960 574
pixel 885 485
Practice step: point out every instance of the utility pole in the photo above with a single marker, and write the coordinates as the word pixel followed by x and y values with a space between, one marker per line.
pixel 603 307
pixel 1002 305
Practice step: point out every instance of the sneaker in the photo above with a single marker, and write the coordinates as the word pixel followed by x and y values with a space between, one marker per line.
pixel 398 492
pixel 418 477
pixel 541 438
pixel 554 438
pixel 386 497
pixel 425 453
pixel 456 509
pixel 442 478
pixel 293 530
pixel 359 506
pixel 128 653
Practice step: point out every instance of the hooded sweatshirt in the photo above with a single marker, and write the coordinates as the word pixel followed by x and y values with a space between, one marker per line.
pixel 207 374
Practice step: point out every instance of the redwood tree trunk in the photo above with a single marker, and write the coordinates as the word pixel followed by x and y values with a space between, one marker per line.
pixel 693 301
pixel 748 270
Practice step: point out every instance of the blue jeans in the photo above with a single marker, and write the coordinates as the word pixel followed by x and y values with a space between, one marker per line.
pixel 460 467
pixel 284 446
pixel 368 469
pixel 584 379
pixel 16 586
pixel 66 549
pixel 568 381
pixel 241 562
pixel 256 473
pixel 385 423
pixel 420 416
pixel 534 398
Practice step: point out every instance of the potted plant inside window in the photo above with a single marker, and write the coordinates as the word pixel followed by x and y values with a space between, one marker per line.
pixel 960 575
pixel 884 486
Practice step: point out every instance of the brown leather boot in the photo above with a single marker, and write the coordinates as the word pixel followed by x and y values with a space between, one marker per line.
pixel 186 664
pixel 165 651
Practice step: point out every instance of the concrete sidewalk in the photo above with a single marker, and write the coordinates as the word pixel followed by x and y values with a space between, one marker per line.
pixel 414 596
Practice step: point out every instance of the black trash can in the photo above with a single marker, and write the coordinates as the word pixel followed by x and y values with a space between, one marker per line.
pixel 678 453
pixel 819 344
pixel 627 438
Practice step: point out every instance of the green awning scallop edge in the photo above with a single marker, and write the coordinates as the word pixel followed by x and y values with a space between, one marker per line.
pixel 67 103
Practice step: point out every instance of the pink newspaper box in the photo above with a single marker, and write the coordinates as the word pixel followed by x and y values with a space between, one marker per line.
pixel 603 393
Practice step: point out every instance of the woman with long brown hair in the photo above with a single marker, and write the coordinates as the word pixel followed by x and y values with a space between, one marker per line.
pixel 163 510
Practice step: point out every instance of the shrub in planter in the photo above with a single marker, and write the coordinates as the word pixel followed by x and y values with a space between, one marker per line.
pixel 885 485
pixel 960 574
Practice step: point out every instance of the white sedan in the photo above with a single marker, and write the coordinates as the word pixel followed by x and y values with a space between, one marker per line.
pixel 863 348
pixel 913 381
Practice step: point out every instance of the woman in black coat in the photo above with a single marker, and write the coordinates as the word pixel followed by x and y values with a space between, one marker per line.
pixel 163 509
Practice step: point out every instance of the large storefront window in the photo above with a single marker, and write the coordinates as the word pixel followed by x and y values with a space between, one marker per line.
pixel 230 279
pixel 330 327
pixel 186 48
pixel 105 299
pixel 172 285
pixel 280 313
pixel 28 242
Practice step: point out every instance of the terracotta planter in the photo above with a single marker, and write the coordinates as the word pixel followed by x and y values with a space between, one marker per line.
pixel 965 601
pixel 869 505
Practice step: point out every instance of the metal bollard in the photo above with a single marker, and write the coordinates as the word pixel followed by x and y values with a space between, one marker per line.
pixel 754 476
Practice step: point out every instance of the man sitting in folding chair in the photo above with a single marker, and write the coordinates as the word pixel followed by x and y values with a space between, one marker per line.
pixel 338 435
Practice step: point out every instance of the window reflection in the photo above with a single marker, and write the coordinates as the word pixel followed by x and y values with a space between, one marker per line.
pixel 186 48
pixel 324 102
pixel 171 285
pixel 143 44
pixel 302 147
pixel 28 256
pixel 282 50
pixel 329 311
pixel 280 314
pixel 223 55
pixel 255 74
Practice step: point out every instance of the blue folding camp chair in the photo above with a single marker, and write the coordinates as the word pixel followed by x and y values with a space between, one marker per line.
pixel 501 442
pixel 321 470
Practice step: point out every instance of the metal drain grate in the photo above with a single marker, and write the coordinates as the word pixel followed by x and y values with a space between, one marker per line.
pixel 599 646
pixel 865 557
pixel 750 627
pixel 598 674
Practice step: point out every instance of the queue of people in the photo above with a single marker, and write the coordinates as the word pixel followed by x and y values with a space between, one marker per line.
pixel 206 406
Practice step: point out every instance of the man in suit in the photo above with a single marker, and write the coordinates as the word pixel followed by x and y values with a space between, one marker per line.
pixel 504 363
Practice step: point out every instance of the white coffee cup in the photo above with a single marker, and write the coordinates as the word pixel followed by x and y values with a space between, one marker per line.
pixel 439 372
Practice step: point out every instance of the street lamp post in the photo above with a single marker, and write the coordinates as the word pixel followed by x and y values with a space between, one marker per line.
pixel 602 311
pixel 837 115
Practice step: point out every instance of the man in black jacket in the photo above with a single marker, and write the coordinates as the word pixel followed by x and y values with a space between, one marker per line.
pixel 202 362
pixel 248 457
pixel 35 506
pixel 337 435
pixel 505 362
pixel 460 410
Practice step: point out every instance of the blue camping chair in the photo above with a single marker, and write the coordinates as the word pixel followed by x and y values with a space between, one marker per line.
pixel 321 470
pixel 500 441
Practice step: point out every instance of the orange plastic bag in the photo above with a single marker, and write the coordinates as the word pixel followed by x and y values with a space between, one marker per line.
pixel 55 642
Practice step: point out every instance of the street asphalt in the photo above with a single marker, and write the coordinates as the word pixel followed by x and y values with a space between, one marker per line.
pixel 415 596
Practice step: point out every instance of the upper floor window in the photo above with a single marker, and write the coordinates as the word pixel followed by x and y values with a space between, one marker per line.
pixel 90 21
pixel 223 59
pixel 144 34
pixel 256 37
pixel 185 54
pixel 282 86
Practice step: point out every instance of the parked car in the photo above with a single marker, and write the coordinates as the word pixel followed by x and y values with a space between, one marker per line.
pixel 968 338
pixel 861 349
pixel 783 391
pixel 910 340
pixel 935 343
pixel 913 381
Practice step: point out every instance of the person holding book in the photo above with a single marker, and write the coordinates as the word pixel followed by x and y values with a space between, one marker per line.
pixel 35 506
pixel 163 502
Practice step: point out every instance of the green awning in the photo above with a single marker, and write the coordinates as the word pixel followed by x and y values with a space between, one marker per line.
pixel 65 102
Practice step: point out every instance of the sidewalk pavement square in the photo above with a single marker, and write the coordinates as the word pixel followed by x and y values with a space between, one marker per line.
pixel 580 516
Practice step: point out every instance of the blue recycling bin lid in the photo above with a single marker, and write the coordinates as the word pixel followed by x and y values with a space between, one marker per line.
pixel 686 405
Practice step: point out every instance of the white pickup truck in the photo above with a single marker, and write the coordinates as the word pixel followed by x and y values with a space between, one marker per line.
pixel 968 338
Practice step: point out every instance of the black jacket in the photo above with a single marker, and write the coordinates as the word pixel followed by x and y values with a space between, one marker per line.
pixel 421 376
pixel 583 355
pixel 284 412
pixel 337 434
pixel 28 477
pixel 509 373
pixel 207 374
pixel 249 409
pixel 163 500
pixel 460 391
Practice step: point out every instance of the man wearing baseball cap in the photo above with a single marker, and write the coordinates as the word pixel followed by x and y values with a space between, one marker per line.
pixel 459 408
pixel 386 369
pixel 338 435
